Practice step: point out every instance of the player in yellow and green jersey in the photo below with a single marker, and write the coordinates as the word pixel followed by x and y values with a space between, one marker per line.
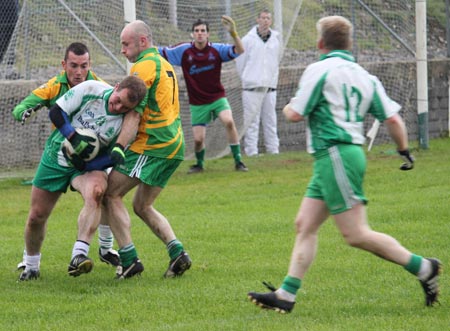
pixel 151 159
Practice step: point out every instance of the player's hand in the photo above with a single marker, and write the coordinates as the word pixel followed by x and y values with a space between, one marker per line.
pixel 408 158
pixel 229 24
pixel 74 159
pixel 29 112
pixel 82 144
pixel 117 154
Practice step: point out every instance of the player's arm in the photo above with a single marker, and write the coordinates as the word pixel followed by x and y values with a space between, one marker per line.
pixel 174 54
pixel 127 134
pixel 229 24
pixel 290 114
pixel 129 128
pixel 100 162
pixel 27 108
pixel 397 130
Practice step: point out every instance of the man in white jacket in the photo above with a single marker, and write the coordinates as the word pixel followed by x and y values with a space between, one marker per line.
pixel 258 69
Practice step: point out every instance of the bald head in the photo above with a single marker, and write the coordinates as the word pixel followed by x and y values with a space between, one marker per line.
pixel 139 28
pixel 135 38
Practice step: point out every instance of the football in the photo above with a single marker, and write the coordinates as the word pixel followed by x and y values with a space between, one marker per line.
pixel 84 132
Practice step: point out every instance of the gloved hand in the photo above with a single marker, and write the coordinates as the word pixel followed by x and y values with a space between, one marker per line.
pixel 228 22
pixel 408 158
pixel 81 144
pixel 29 113
pixel 74 159
pixel 117 154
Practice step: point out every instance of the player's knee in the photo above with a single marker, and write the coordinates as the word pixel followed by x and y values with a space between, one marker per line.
pixel 36 219
pixel 96 194
pixel 354 240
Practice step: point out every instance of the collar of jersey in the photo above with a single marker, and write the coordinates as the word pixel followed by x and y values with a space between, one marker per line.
pixel 106 96
pixel 147 51
pixel 62 78
pixel 345 55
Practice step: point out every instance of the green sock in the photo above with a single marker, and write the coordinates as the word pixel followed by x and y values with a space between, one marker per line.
pixel 291 284
pixel 414 263
pixel 175 247
pixel 236 150
pixel 200 156
pixel 127 255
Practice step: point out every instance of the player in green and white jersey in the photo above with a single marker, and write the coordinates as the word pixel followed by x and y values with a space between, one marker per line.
pixel 334 96
pixel 100 107
pixel 76 66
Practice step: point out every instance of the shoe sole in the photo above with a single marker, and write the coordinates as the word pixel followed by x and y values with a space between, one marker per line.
pixel 264 306
pixel 183 267
pixel 83 268
pixel 439 274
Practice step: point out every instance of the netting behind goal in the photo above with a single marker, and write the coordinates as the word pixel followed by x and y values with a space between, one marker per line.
pixel 384 44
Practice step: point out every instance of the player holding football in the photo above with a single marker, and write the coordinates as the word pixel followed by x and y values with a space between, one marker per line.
pixel 76 69
pixel 201 62
pixel 151 159
pixel 100 107
pixel 334 96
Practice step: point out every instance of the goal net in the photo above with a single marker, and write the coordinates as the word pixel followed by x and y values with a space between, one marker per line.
pixel 39 32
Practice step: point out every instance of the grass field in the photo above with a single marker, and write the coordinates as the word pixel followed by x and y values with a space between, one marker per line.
pixel 238 229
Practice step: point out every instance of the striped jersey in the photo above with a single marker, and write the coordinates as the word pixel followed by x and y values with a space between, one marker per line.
pixel 87 107
pixel 334 96
pixel 160 133
pixel 48 93
pixel 201 69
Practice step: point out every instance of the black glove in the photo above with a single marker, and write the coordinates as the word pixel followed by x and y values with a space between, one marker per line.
pixel 74 159
pixel 81 144
pixel 117 154
pixel 408 158
pixel 30 112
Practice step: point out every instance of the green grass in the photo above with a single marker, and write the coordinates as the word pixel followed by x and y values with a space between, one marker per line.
pixel 238 229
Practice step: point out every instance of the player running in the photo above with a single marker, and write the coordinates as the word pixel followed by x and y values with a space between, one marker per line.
pixel 334 96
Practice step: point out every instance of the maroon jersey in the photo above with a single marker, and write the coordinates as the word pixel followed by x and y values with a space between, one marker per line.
pixel 201 69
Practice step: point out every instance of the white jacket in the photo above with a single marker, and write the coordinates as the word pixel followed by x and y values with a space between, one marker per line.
pixel 258 65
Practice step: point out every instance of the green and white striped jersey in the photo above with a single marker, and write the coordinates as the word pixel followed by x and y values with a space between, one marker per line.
pixel 334 96
pixel 87 107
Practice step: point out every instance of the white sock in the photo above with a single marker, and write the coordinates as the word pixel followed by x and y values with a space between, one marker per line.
pixel 425 270
pixel 32 262
pixel 80 247
pixel 105 238
pixel 285 295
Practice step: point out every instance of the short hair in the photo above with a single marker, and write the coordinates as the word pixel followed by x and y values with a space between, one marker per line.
pixel 76 48
pixel 335 32
pixel 200 22
pixel 264 11
pixel 136 88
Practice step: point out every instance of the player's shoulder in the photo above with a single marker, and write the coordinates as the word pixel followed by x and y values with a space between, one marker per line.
pixel 93 76
pixel 180 47
pixel 92 87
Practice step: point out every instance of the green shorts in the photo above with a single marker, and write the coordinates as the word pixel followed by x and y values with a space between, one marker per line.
pixel 204 114
pixel 52 177
pixel 150 170
pixel 338 177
